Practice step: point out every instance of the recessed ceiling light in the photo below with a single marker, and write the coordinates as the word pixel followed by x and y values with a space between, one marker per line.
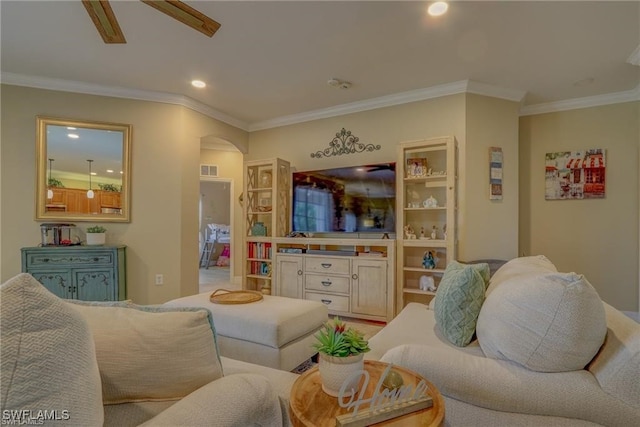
pixel 198 83
pixel 71 128
pixel 73 135
pixel 438 8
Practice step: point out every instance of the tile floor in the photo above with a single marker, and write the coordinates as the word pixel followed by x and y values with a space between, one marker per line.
pixel 216 278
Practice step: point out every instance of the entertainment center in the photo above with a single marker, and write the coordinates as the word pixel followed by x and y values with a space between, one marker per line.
pixel 353 277
pixel 342 236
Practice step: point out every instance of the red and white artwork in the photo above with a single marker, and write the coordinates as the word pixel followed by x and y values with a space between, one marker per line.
pixel 575 174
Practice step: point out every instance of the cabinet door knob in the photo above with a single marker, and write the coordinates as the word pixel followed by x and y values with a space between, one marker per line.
pixel 325 265
pixel 95 259
pixel 326 283
pixel 326 301
pixel 354 276
pixel 299 272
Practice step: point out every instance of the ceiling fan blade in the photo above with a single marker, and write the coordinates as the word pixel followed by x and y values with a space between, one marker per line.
pixel 105 21
pixel 185 14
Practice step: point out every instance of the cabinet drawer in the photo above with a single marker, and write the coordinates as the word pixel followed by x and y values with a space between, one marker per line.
pixel 333 302
pixel 67 258
pixel 333 265
pixel 327 283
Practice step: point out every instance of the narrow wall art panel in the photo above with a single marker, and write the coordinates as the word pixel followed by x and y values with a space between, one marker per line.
pixel 495 173
pixel 575 174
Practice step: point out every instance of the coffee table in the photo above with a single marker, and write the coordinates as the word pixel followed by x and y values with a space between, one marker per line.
pixel 310 406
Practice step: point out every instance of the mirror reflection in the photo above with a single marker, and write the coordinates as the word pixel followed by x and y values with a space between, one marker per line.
pixel 83 170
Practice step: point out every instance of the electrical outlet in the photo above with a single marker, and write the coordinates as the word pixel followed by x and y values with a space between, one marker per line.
pixel 159 279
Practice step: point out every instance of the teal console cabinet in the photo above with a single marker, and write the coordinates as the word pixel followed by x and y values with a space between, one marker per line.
pixel 89 273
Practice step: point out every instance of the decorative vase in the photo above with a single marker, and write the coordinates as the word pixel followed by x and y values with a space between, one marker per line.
pixel 334 370
pixel 95 239
pixel 265 179
pixel 258 229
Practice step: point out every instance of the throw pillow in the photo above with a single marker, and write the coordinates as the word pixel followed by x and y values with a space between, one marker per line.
pixel 152 353
pixel 458 301
pixel 536 264
pixel 551 322
pixel 48 362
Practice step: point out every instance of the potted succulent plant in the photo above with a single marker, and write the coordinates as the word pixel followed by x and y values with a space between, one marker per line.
pixel 96 235
pixel 341 352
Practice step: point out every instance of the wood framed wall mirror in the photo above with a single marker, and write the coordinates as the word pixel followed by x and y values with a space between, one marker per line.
pixel 83 170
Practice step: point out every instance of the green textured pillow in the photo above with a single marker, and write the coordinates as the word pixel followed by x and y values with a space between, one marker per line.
pixel 458 301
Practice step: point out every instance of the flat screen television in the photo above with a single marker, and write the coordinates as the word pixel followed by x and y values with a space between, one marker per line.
pixel 356 199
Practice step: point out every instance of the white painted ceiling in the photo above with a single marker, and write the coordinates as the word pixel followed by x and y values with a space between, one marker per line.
pixel 271 60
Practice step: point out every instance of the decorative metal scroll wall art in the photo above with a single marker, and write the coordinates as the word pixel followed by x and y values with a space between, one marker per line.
pixel 344 143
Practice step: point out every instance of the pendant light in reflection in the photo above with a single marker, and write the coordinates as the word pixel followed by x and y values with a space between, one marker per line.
pixel 90 192
pixel 49 190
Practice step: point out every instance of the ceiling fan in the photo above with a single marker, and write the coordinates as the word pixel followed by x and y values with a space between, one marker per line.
pixel 105 20
pixel 381 167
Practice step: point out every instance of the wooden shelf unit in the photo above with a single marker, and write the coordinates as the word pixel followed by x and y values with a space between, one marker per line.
pixel 267 200
pixel 437 178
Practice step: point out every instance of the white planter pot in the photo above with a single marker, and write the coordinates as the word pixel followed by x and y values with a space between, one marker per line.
pixel 96 238
pixel 334 371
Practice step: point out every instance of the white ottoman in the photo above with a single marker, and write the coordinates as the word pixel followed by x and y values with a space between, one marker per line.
pixel 276 332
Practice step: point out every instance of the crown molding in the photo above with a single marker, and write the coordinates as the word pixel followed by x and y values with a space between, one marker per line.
pixel 462 86
pixel 367 104
pixel 119 92
pixel 586 102
pixel 484 89
pixel 634 58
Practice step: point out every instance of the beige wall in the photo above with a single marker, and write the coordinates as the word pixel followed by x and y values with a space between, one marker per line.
pixel 598 238
pixel 163 234
pixel 230 164
pixel 490 226
pixel 477 122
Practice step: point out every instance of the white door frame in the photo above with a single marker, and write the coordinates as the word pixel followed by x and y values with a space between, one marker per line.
pixel 231 217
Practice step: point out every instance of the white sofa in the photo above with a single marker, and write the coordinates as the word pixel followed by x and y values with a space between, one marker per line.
pixel 496 391
pixel 118 364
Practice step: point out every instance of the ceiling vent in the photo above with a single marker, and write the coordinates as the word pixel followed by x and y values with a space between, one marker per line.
pixel 209 170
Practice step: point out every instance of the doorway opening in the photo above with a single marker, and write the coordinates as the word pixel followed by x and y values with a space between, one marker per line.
pixel 215 237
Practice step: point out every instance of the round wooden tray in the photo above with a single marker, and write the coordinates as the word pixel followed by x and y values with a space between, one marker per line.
pixel 234 297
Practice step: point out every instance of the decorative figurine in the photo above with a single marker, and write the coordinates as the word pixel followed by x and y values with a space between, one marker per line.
pixel 428 261
pixel 422 232
pixel 408 232
pixel 431 202
pixel 444 231
pixel 427 284
pixel 433 233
